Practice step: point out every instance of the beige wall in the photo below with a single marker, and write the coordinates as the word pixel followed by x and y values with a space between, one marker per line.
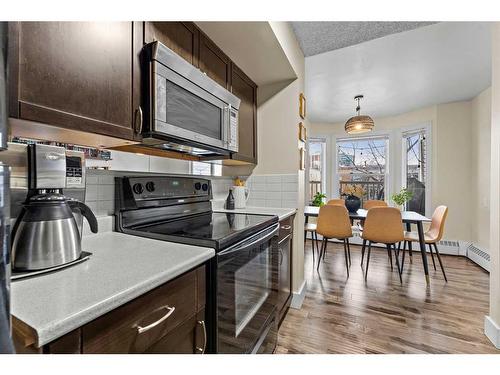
pixel 277 119
pixel 480 200
pixel 495 183
pixel 452 161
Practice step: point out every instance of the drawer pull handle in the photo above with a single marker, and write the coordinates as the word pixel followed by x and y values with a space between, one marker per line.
pixel 159 321
pixel 202 350
pixel 286 227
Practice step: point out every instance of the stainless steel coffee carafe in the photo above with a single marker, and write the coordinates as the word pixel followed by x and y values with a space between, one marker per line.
pixel 46 233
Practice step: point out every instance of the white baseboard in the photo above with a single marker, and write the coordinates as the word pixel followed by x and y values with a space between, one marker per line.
pixel 492 331
pixel 298 298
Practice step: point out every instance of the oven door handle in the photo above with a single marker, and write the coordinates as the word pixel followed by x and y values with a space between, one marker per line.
pixel 244 245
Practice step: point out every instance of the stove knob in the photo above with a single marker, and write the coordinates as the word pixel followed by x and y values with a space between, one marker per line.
pixel 150 186
pixel 197 186
pixel 138 188
pixel 204 187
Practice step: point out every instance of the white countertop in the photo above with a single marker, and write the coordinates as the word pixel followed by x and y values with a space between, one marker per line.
pixel 282 213
pixel 121 268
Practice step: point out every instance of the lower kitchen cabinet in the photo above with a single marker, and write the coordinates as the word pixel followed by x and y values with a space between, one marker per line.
pixel 168 319
pixel 285 267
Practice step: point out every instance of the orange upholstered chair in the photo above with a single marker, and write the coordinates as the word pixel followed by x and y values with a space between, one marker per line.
pixel 373 203
pixel 336 202
pixel 333 222
pixel 382 225
pixel 432 236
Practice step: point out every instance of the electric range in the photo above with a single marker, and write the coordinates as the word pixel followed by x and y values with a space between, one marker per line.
pixel 242 279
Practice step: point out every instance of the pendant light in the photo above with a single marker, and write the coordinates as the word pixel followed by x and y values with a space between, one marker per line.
pixel 359 124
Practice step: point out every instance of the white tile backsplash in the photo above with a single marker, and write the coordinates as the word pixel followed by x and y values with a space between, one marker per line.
pixel 273 190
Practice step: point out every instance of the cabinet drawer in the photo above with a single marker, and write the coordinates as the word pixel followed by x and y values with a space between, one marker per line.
pixel 286 227
pixel 119 331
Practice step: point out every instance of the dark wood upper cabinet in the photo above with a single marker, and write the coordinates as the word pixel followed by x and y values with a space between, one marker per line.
pixel 244 88
pixel 214 62
pixel 181 37
pixel 77 75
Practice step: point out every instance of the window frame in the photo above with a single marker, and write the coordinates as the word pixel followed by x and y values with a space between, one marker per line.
pixel 324 175
pixel 427 128
pixel 388 175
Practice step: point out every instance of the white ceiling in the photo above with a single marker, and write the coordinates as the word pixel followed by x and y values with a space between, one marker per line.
pixel 319 37
pixel 444 62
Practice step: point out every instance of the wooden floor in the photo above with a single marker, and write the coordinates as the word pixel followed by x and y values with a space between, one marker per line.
pixel 341 315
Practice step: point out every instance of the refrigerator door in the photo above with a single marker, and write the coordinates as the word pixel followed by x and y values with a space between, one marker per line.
pixel 6 345
pixel 3 86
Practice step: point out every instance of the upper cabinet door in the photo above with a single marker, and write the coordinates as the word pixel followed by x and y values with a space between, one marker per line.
pixel 246 90
pixel 180 37
pixel 214 62
pixel 77 75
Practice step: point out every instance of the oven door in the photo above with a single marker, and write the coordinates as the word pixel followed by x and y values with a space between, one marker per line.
pixel 247 278
pixel 184 110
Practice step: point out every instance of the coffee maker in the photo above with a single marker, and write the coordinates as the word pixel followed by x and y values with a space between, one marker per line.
pixel 48 229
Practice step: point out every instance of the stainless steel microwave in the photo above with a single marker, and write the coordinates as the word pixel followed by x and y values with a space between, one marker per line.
pixel 185 110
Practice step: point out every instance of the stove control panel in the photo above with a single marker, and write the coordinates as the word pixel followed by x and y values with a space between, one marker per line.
pixel 167 187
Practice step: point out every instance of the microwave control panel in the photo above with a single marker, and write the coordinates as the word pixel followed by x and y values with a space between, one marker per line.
pixel 233 130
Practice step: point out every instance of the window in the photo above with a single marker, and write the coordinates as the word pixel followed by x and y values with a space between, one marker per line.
pixel 364 162
pixel 415 169
pixel 316 166
pixel 206 169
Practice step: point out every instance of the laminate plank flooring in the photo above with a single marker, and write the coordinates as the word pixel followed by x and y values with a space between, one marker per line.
pixel 347 315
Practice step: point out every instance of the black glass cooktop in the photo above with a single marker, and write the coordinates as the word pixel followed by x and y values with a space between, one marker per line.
pixel 213 229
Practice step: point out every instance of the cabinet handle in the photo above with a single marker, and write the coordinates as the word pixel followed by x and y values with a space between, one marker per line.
pixel 202 350
pixel 159 321
pixel 138 120
pixel 286 227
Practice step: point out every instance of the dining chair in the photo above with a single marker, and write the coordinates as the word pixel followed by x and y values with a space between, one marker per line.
pixel 431 236
pixel 333 222
pixel 382 225
pixel 311 228
pixel 370 203
pixel 336 202
pixel 373 203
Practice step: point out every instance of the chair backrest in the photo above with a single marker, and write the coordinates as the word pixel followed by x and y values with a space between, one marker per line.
pixel 336 202
pixel 373 203
pixel 333 222
pixel 383 225
pixel 436 229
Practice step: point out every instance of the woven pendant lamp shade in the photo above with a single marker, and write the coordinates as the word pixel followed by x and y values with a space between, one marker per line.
pixel 359 123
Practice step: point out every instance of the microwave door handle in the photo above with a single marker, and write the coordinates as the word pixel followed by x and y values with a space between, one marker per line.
pixel 227 124
pixel 258 241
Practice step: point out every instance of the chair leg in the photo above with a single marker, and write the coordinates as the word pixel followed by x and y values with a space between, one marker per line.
pixel 349 251
pixel 403 258
pixel 432 256
pixel 368 259
pixel 389 254
pixel 320 254
pixel 363 252
pixel 324 251
pixel 411 251
pixel 312 247
pixel 440 262
pixel 397 265
pixel 346 257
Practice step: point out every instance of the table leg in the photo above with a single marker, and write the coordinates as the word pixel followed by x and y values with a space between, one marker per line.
pixel 422 250
pixel 306 220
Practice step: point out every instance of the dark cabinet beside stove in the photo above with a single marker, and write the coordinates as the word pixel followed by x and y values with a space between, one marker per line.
pixel 82 76
pixel 285 266
pixel 170 319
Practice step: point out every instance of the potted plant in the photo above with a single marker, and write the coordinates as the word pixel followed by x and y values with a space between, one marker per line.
pixel 402 197
pixel 353 194
pixel 318 199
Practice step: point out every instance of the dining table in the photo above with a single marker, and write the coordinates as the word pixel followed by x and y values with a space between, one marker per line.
pixel 408 217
